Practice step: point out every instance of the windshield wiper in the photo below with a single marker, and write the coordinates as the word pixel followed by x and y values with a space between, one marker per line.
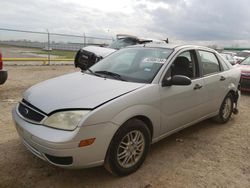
pixel 112 74
pixel 92 72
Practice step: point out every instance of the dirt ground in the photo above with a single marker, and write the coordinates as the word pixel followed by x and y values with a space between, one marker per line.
pixel 19 52
pixel 22 52
pixel 204 155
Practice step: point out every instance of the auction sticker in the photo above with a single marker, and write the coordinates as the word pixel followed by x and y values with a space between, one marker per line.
pixel 154 60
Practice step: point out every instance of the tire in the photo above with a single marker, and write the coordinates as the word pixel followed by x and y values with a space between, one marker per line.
pixel 226 110
pixel 128 148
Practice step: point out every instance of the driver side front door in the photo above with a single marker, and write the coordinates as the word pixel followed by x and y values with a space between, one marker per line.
pixel 182 105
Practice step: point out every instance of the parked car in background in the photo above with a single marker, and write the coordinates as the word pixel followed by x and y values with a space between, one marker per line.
pixel 123 40
pixel 3 73
pixel 111 113
pixel 229 58
pixel 232 53
pixel 92 54
pixel 245 74
pixel 241 56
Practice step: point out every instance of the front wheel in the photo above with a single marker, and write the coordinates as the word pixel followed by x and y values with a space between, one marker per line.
pixel 226 109
pixel 128 148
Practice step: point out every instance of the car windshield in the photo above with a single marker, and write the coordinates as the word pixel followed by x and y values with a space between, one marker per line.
pixel 246 61
pixel 133 64
pixel 122 42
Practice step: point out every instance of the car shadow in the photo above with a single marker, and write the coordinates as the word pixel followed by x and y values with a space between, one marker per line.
pixel 22 168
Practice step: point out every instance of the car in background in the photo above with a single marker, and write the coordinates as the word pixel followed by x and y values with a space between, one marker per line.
pixel 3 73
pixel 123 40
pixel 240 56
pixel 92 54
pixel 111 113
pixel 229 58
pixel 232 53
pixel 245 74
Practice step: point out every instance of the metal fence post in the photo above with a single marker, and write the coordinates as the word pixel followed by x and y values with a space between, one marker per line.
pixel 84 40
pixel 48 47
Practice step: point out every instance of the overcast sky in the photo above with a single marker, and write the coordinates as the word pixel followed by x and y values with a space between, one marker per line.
pixel 214 21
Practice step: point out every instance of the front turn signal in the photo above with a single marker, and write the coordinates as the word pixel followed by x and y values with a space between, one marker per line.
pixel 86 142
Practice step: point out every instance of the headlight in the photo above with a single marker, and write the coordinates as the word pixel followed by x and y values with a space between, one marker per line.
pixel 66 120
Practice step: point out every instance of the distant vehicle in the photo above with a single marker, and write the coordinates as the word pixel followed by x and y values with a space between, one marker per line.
pixel 123 40
pixel 3 73
pixel 92 54
pixel 46 48
pixel 111 113
pixel 229 58
pixel 229 52
pixel 245 74
pixel 241 56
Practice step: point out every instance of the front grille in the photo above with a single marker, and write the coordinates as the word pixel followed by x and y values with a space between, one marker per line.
pixel 29 113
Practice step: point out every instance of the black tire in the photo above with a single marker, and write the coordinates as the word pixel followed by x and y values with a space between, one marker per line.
pixel 115 164
pixel 226 110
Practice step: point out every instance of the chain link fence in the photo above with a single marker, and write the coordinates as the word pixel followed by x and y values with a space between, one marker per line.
pixel 31 46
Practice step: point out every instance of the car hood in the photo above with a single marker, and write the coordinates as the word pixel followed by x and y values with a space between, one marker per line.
pixel 76 91
pixel 99 51
pixel 244 68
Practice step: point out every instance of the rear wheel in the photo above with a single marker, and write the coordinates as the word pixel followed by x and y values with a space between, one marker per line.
pixel 226 109
pixel 128 148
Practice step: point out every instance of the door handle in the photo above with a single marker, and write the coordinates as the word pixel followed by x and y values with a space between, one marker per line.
pixel 197 86
pixel 222 78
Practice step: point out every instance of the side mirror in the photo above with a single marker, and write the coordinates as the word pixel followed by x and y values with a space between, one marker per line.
pixel 178 80
pixel 85 59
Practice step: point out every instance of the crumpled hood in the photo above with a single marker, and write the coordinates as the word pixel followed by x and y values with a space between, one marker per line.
pixel 76 90
pixel 99 51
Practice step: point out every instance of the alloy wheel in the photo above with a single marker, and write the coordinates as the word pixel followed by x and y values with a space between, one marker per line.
pixel 130 149
pixel 227 108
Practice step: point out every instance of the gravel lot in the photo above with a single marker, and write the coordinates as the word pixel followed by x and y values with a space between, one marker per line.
pixel 204 155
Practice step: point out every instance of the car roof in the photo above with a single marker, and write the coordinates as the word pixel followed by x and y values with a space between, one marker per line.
pixel 172 46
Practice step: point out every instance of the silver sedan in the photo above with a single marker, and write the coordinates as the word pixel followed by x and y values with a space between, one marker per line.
pixel 111 113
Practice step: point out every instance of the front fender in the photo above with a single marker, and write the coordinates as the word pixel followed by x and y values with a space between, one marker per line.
pixel 232 87
pixel 151 113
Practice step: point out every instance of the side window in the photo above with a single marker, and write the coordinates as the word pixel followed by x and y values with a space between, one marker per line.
pixel 185 65
pixel 209 62
pixel 224 65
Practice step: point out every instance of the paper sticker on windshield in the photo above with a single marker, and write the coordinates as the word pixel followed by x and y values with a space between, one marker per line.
pixel 153 60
